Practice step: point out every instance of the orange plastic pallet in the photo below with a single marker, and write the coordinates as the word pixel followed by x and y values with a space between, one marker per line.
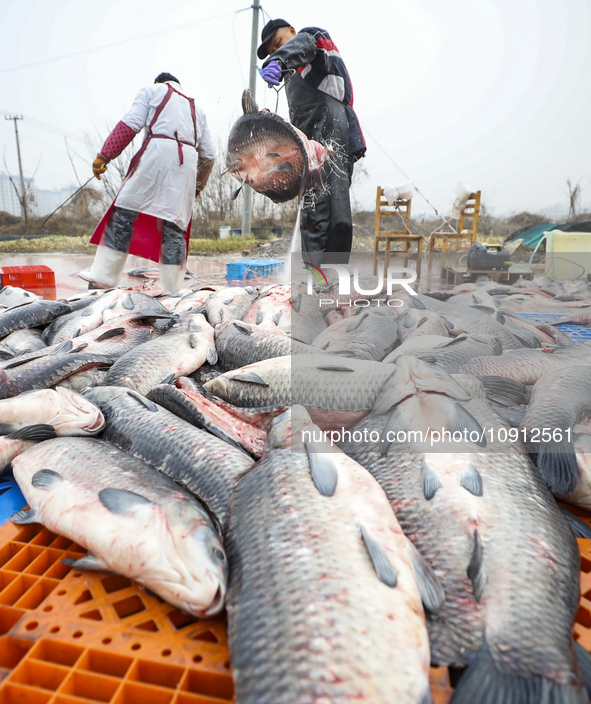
pixel 71 637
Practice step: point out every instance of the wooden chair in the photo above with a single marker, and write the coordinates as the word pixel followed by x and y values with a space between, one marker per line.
pixel 400 212
pixel 463 236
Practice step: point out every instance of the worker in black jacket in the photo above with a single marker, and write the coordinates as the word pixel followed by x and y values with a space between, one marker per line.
pixel 320 98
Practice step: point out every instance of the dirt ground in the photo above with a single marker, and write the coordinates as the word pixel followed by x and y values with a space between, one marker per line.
pixel 206 270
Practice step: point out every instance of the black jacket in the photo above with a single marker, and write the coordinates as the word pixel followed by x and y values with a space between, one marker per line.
pixel 319 90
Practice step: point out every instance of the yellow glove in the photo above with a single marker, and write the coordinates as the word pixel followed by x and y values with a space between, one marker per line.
pixel 99 166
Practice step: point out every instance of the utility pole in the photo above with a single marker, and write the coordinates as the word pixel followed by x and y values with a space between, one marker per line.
pixel 20 165
pixel 247 190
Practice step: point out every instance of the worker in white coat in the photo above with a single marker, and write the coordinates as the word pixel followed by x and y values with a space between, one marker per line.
pixel 151 214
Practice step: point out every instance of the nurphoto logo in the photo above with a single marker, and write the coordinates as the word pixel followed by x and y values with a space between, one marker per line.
pixel 346 278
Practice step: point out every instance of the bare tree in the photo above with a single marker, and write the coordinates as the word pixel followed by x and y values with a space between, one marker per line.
pixel 574 196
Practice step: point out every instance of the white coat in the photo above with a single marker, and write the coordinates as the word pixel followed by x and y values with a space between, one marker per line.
pixel 160 185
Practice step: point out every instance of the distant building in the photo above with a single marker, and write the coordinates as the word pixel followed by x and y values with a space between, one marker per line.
pixel 46 201
pixel 9 202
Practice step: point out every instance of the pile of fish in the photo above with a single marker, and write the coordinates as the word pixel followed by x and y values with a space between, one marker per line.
pixel 367 483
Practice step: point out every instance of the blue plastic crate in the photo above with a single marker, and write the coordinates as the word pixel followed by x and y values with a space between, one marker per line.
pixel 11 498
pixel 254 268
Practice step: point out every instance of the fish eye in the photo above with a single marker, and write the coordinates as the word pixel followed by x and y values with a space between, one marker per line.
pixel 219 554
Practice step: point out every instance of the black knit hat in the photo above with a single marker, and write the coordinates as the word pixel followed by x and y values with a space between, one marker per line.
pixel 268 31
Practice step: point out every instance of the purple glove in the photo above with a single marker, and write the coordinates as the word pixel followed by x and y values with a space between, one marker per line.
pixel 272 73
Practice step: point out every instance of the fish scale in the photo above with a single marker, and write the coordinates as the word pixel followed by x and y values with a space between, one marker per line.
pixel 498 586
pixel 204 464
pixel 351 637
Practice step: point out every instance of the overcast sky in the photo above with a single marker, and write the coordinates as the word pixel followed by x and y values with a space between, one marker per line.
pixel 494 94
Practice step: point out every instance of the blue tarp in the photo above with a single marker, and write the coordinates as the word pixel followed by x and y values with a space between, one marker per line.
pixel 531 235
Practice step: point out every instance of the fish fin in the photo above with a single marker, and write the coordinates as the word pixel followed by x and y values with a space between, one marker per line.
pixel 379 558
pixel 431 480
pixel 243 327
pixel 452 341
pixel 34 433
pixel 484 682
pixel 504 391
pixel 46 479
pixel 122 501
pixel 168 379
pixel 127 302
pixel 277 317
pixel 471 480
pixel 526 341
pixel 115 332
pixel 584 659
pixel 334 368
pixel 416 302
pixel 393 426
pixel 142 400
pixel 407 321
pixel 430 589
pixel 25 516
pixel 475 571
pixel 260 316
pixel 324 473
pixel 357 320
pixel 212 355
pixel 296 303
pixel 449 325
pixel 580 528
pixel 428 359
pixel 250 378
pixel 88 562
pixel 236 193
pixel 248 102
pixel 461 420
pixel 63 347
pixel 273 155
pixel 557 463
pixel 500 317
pixel 282 168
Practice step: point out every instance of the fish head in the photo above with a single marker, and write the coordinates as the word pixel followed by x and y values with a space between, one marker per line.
pixel 76 414
pixel 194 568
pixel 267 153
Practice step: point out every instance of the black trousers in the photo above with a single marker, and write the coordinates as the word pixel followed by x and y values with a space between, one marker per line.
pixel 119 231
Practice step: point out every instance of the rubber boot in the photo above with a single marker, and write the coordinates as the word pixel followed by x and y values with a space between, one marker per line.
pixel 171 277
pixel 106 268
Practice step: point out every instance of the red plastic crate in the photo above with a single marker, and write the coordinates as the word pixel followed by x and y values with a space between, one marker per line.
pixel 28 277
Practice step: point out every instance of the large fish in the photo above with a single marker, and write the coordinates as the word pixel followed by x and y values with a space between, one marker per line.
pixel 337 392
pixel 179 352
pixel 131 519
pixel 372 333
pixel 323 604
pixel 271 155
pixel 497 540
pixel 32 314
pixel 559 401
pixel 239 343
pixel 46 372
pixel 204 413
pixel 204 464
pixel 68 412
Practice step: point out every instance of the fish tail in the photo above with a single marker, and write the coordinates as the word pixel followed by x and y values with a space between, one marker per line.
pixel 484 683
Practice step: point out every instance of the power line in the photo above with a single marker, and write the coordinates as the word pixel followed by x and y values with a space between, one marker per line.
pixel 113 44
